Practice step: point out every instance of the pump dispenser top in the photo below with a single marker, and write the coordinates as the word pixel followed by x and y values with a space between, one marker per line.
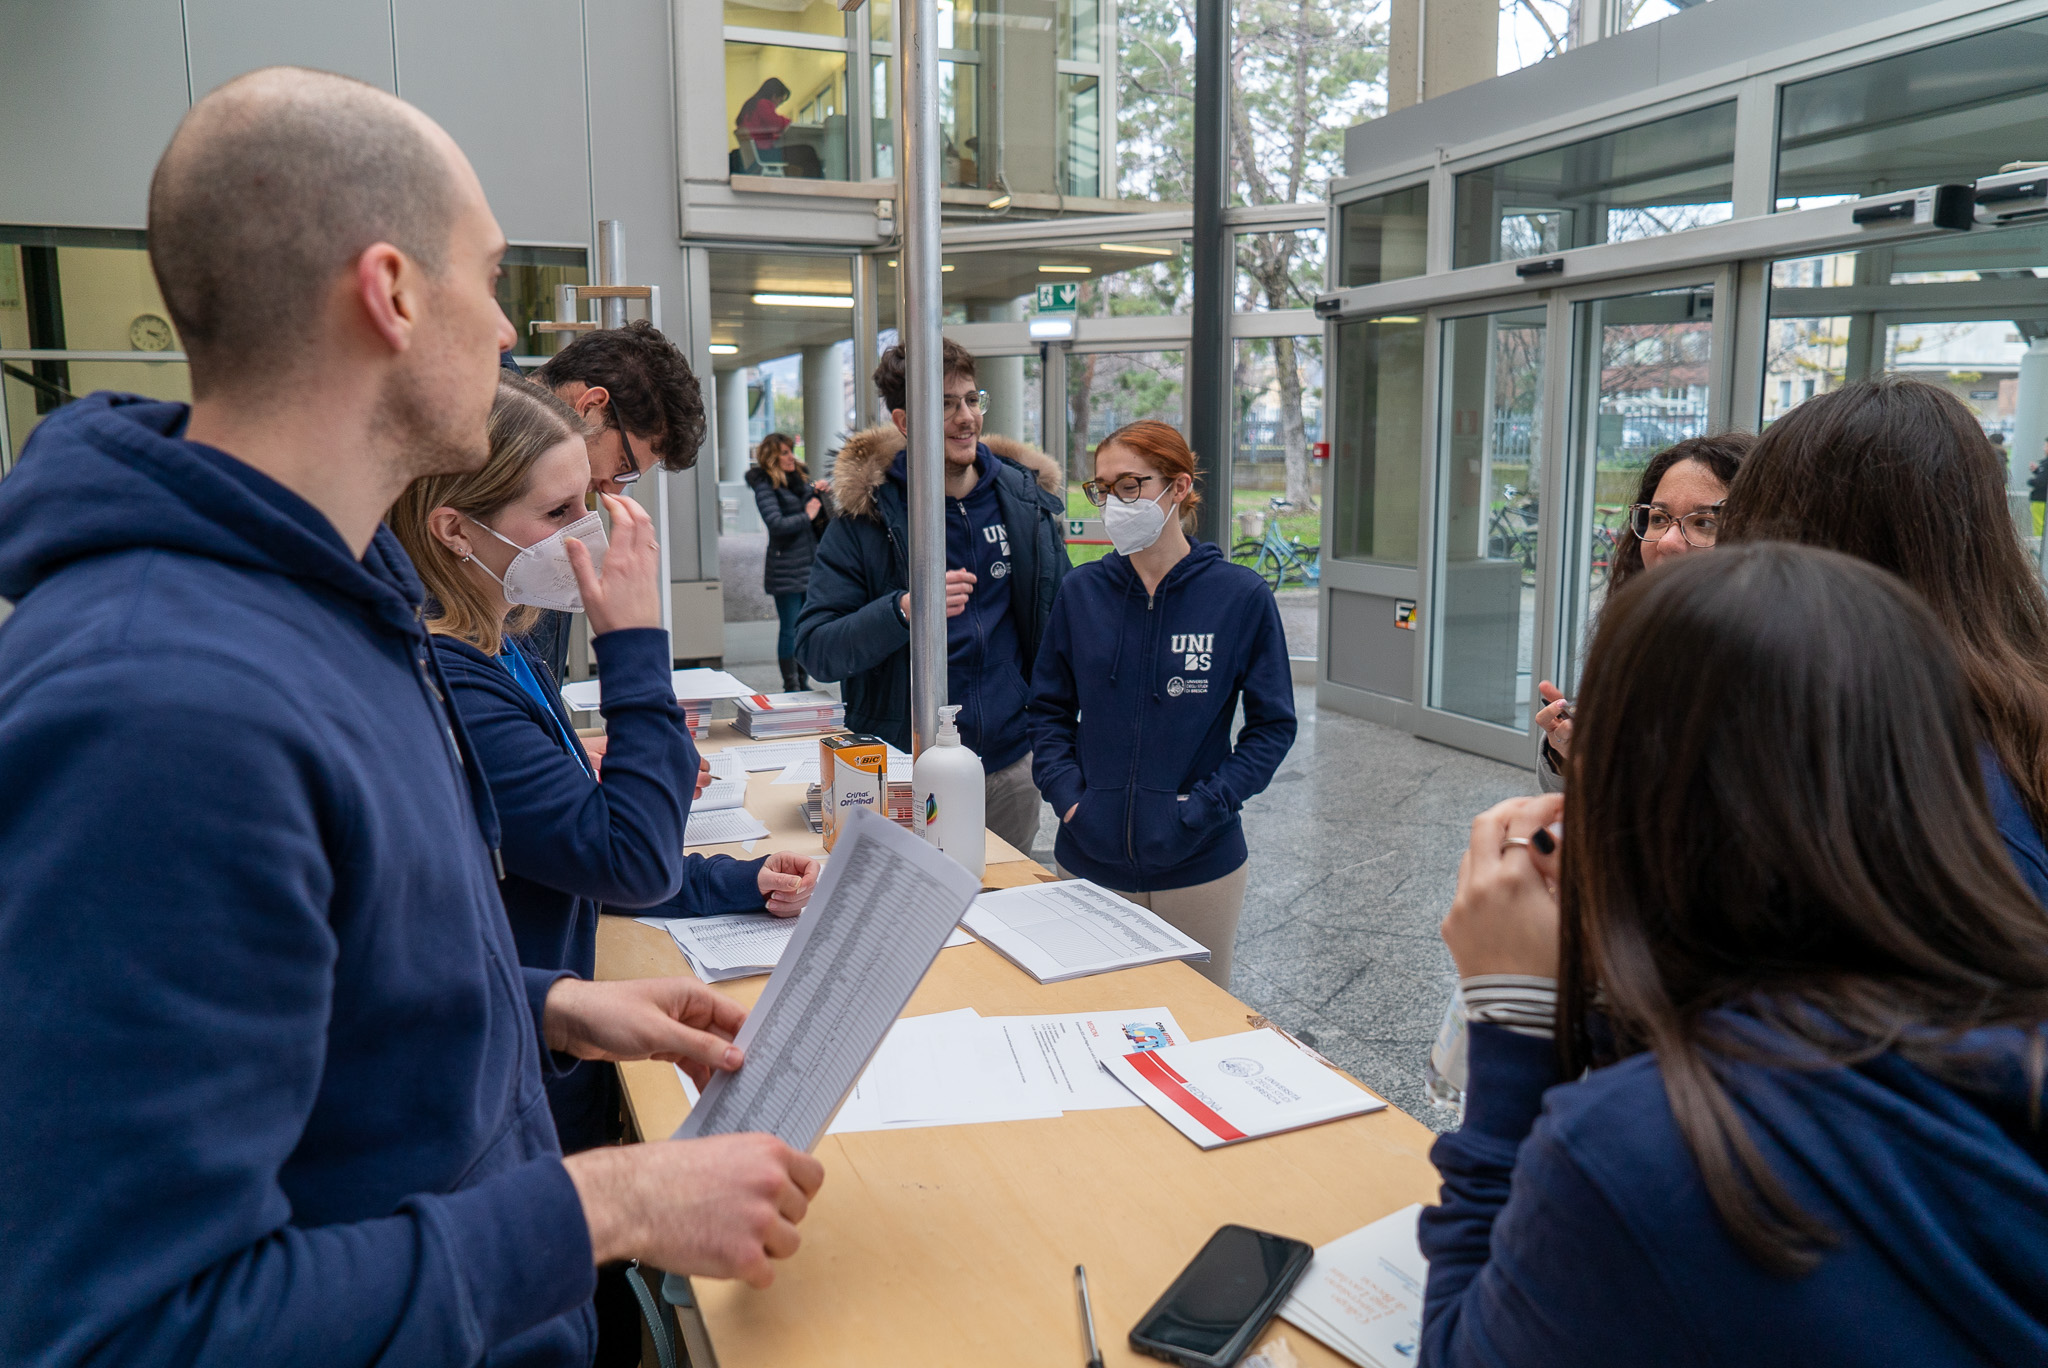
pixel 949 727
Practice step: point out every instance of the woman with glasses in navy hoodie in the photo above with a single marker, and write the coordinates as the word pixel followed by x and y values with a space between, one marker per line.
pixel 1146 657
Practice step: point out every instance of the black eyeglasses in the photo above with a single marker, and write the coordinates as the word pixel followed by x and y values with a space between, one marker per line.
pixel 1127 488
pixel 632 470
pixel 1700 528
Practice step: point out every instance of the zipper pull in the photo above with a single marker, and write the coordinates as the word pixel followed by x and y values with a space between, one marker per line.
pixel 498 859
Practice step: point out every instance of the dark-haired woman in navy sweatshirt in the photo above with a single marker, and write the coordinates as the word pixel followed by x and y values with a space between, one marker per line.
pixel 1146 657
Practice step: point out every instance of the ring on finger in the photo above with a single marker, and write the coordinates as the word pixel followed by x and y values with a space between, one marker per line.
pixel 1507 841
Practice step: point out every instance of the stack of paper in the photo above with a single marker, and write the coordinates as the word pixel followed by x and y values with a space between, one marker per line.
pixel 1060 931
pixel 691 687
pixel 1363 1294
pixel 959 1068
pixel 739 944
pixel 1240 1087
pixel 765 716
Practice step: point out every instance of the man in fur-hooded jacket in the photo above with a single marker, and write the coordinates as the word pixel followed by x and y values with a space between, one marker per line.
pixel 1005 556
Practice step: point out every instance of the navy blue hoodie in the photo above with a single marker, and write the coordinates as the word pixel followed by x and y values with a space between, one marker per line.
pixel 1584 1235
pixel 571 843
pixel 1132 703
pixel 272 1083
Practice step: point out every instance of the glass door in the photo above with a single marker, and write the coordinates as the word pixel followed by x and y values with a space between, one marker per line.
pixel 1642 382
pixel 1490 454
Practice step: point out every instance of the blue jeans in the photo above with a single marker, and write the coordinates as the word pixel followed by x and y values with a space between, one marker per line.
pixel 787 607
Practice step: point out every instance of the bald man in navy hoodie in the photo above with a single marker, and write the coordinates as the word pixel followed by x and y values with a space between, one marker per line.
pixel 272 1084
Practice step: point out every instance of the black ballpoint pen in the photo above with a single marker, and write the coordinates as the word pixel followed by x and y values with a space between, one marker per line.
pixel 1087 1316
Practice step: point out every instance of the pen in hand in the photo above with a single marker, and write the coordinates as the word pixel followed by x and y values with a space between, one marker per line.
pixel 1087 1316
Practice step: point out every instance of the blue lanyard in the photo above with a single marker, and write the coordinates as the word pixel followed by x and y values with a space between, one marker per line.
pixel 514 661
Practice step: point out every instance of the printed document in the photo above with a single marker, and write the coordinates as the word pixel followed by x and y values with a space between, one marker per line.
pixel 1060 931
pixel 776 755
pixel 1240 1087
pixel 728 788
pixel 1064 1053
pixel 1362 1295
pixel 694 685
pixel 955 1067
pixel 805 771
pixel 883 910
pixel 722 826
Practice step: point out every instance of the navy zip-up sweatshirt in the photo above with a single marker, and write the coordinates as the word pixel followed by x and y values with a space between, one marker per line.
pixel 1131 707
pixel 1575 1228
pixel 984 659
pixel 571 843
pixel 272 1083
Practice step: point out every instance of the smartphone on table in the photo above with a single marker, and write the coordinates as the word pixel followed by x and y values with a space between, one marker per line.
pixel 1216 1308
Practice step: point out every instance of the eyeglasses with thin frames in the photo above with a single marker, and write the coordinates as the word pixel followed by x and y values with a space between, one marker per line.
pixel 632 470
pixel 955 405
pixel 1127 488
pixel 1700 528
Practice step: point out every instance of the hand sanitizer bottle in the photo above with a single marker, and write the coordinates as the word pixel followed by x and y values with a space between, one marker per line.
pixel 950 798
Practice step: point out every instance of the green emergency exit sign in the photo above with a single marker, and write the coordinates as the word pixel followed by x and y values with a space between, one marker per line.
pixel 1059 298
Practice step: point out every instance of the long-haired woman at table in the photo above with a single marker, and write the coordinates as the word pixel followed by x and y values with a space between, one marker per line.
pixel 487 545
pixel 1758 1077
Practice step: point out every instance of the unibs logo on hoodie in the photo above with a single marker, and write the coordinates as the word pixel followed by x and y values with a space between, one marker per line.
pixel 1195 650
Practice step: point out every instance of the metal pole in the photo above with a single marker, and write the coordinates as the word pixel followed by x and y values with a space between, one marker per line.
pixel 611 267
pixel 1052 426
pixel 923 310
pixel 1215 273
pixel 865 322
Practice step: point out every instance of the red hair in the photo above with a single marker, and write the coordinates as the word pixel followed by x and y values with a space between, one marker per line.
pixel 1160 446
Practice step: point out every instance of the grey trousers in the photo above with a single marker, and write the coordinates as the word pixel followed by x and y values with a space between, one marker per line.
pixel 1014 805
pixel 1206 911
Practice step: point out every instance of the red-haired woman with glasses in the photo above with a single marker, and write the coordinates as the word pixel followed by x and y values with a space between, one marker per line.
pixel 1146 657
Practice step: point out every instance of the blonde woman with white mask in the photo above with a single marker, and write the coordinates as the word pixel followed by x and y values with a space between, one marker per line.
pixel 1146 657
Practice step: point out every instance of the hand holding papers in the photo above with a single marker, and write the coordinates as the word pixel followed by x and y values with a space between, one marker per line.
pixel 1060 931
pixel 886 905
pixel 1240 1087
pixel 1363 1294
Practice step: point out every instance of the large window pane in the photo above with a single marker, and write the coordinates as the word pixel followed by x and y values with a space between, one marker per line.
pixel 1081 135
pixel 787 109
pixel 1079 23
pixel 1968 312
pixel 1106 390
pixel 1641 386
pixel 1952 112
pixel 1378 433
pixel 1656 178
pixel 1490 439
pixel 28 398
pixel 526 292
pixel 1384 238
pixel 1280 270
pixel 1277 420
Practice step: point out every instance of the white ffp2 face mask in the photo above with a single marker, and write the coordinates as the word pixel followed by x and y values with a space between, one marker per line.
pixel 540 575
pixel 1133 526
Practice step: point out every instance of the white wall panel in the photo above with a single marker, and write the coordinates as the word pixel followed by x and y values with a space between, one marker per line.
pixel 505 78
pixel 90 91
pixel 229 37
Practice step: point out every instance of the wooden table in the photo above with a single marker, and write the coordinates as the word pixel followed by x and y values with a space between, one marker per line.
pixel 957 1244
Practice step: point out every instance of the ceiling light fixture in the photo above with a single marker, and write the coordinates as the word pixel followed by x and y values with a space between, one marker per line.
pixel 725 349
pixel 1046 269
pixel 806 301
pixel 1001 201
pixel 1136 249
pixel 942 270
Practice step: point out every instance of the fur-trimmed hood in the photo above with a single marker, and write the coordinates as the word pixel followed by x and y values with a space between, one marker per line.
pixel 865 459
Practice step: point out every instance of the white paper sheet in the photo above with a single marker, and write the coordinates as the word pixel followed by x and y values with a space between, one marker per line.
pixel 1233 1088
pixel 883 910
pixel 721 826
pixel 740 944
pixel 805 771
pixel 1060 931
pixel 775 755
pixel 1064 1052
pixel 957 1066
pixel 1362 1295
pixel 695 685
pixel 721 793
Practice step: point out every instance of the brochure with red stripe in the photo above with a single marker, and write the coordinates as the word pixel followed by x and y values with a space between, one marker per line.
pixel 1239 1087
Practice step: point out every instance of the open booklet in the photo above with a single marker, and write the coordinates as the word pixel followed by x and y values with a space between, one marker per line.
pixel 885 907
pixel 1067 930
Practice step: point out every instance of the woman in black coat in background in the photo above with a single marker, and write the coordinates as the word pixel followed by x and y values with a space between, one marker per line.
pixel 792 507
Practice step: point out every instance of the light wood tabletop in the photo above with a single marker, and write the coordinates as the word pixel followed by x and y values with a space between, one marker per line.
pixel 957 1244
